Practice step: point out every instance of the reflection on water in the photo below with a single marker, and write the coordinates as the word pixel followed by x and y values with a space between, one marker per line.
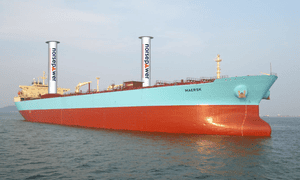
pixel 217 153
pixel 211 154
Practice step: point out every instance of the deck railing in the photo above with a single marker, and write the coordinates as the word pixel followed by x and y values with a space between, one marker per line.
pixel 273 73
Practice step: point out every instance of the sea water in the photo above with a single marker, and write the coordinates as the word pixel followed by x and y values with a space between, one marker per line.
pixel 44 151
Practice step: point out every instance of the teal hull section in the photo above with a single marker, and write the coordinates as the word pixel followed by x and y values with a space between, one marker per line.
pixel 220 92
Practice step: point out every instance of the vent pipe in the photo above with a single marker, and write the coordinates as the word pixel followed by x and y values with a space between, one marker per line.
pixel 146 60
pixel 52 67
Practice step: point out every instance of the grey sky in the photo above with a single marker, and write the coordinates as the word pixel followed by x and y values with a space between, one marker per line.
pixel 100 38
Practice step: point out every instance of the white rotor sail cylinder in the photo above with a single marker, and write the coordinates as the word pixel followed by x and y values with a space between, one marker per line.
pixel 146 60
pixel 52 66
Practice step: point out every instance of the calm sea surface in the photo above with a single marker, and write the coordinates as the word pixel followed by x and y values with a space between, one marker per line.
pixel 43 151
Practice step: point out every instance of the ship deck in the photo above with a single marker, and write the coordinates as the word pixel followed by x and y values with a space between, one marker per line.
pixel 159 83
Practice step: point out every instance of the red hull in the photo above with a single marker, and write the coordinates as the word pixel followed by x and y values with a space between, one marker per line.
pixel 240 120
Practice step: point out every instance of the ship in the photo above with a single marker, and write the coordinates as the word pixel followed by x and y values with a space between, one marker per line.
pixel 219 105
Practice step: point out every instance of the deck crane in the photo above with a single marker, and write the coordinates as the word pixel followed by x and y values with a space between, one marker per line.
pixel 81 84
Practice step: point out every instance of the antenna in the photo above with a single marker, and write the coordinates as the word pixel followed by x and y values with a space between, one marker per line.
pixel 270 68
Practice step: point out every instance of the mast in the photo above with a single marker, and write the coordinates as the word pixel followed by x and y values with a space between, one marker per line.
pixel 97 83
pixel 44 77
pixel 218 60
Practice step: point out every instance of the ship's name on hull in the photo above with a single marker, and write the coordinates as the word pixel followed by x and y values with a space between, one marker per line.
pixel 193 90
